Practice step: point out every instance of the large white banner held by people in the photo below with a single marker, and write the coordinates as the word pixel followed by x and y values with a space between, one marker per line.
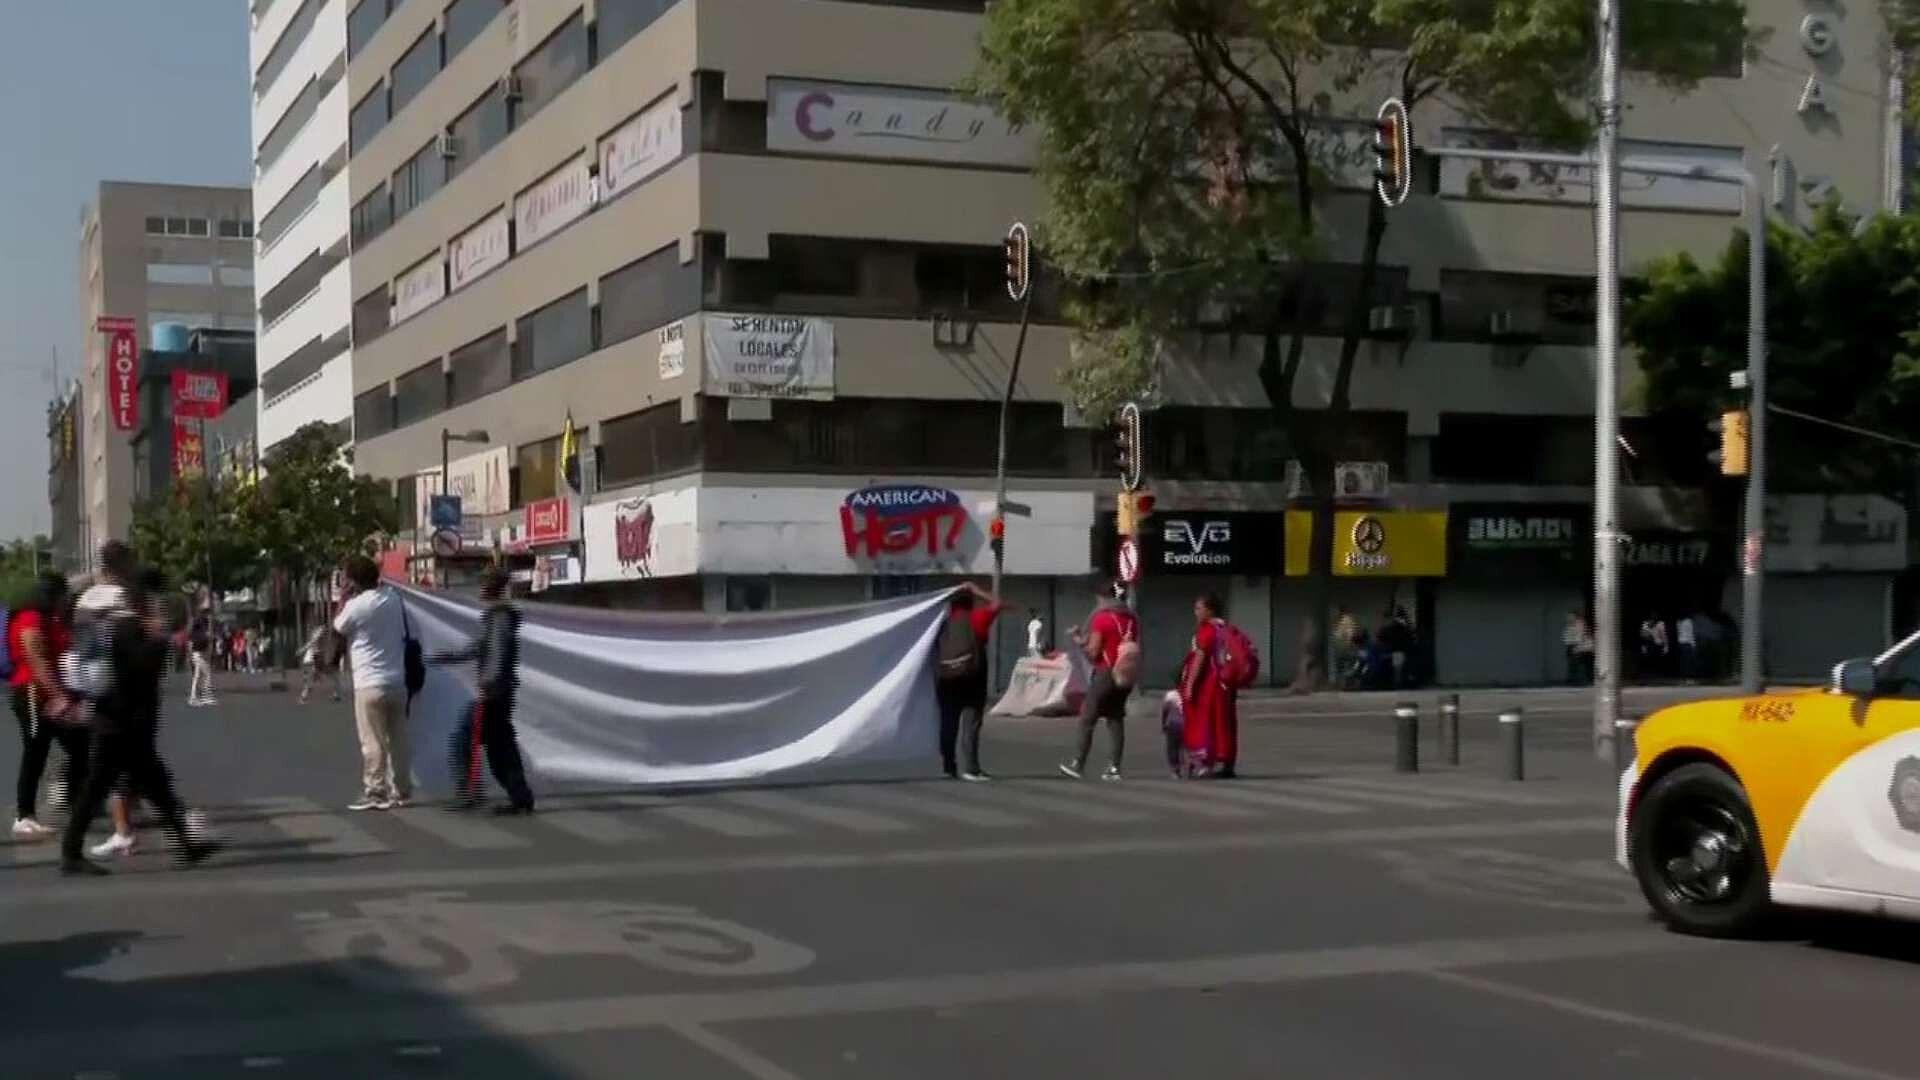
pixel 629 698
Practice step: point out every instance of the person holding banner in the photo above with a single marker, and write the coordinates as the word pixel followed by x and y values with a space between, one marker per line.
pixel 960 668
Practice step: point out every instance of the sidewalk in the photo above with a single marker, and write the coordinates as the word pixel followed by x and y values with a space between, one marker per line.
pixel 244 682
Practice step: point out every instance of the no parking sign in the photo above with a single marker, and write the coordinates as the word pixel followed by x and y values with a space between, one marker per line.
pixel 1129 560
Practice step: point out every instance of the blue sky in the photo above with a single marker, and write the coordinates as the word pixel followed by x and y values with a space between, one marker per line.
pixel 93 90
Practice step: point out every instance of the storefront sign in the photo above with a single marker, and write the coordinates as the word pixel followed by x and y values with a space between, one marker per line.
pixel 641 537
pixel 549 521
pixel 640 147
pixel 478 250
pixel 1209 542
pixel 1520 539
pixel 673 351
pixel 1814 533
pixel 903 523
pixel 1673 550
pixel 807 117
pixel 1381 543
pixel 1516 181
pixel 481 482
pixel 419 288
pixel 123 374
pixel 189 449
pixel 198 395
pixel 554 202
pixel 769 356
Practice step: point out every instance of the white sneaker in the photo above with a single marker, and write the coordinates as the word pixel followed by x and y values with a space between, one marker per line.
pixel 117 844
pixel 26 828
pixel 369 802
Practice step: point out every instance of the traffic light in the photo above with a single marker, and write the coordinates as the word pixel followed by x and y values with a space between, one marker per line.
pixel 1393 153
pixel 1019 251
pixel 1124 452
pixel 1131 511
pixel 1735 431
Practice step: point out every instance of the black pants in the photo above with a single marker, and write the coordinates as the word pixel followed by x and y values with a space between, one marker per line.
pixel 37 737
pixel 132 757
pixel 1108 702
pixel 960 715
pixel 491 728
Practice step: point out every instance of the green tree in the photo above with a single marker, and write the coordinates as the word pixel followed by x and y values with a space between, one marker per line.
pixel 1843 344
pixel 199 529
pixel 1187 154
pixel 19 560
pixel 310 511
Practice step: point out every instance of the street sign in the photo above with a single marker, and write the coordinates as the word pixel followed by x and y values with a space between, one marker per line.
pixel 446 543
pixel 1129 560
pixel 1019 509
pixel 443 511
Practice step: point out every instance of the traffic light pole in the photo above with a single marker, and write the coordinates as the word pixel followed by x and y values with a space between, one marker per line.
pixel 1609 541
pixel 1000 487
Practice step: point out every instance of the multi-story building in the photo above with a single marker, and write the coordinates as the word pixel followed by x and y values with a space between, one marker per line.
pixel 67 535
pixel 152 254
pixel 751 247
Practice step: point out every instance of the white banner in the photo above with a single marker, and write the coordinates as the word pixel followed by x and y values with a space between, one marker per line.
pixel 1046 686
pixel 478 250
pixel 554 202
pixel 673 351
pixel 808 117
pixel 419 289
pixel 1513 181
pixel 640 147
pixel 769 356
pixel 627 698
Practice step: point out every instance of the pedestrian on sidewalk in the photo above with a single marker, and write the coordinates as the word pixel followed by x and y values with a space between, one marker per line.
pixel 960 682
pixel 319 656
pixel 373 625
pixel 251 637
pixel 37 635
pixel 121 656
pixel 151 593
pixel 495 654
pixel 200 655
pixel 1036 633
pixel 1578 639
pixel 1111 641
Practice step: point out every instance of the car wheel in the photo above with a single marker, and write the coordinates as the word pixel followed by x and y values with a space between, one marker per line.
pixel 1696 852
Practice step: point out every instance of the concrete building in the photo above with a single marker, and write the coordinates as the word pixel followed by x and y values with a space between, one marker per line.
pixel 751 247
pixel 67 535
pixel 151 253
pixel 220 367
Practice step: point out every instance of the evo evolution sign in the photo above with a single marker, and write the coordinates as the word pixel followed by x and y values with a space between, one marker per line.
pixel 1212 542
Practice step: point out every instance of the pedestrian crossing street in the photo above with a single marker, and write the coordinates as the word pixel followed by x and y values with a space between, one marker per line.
pixel 302 828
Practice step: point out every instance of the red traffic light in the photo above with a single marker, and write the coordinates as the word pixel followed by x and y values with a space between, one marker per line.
pixel 1142 504
pixel 998 528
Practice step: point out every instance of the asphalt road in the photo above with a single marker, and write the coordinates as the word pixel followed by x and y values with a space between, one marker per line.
pixel 1323 917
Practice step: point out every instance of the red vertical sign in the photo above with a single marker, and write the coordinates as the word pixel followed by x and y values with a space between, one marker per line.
pixel 189 449
pixel 123 376
pixel 199 395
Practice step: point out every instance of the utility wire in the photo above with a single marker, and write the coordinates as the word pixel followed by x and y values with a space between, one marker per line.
pixel 1851 429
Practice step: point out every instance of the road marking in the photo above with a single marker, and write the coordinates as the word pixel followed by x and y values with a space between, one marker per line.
pixel 1785 1055
pixel 720 820
pixel 461 829
pixel 176 1039
pixel 1454 790
pixel 731 1052
pixel 919 799
pixel 1293 798
pixel 322 833
pixel 594 826
pixel 1167 798
pixel 1413 800
pixel 216 880
pixel 1044 796
pixel 782 804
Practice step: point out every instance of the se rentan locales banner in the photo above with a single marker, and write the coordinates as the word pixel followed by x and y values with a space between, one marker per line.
pixel 632 698
pixel 769 356
pixel 123 377
pixel 199 395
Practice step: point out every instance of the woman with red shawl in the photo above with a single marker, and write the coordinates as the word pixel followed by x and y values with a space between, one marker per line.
pixel 1211 713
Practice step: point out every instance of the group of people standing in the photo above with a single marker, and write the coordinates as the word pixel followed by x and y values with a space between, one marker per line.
pixel 1384 658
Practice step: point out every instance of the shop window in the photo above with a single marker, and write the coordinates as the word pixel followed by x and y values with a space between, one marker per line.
pixel 419 393
pixel 478 368
pixel 553 66
pixel 647 293
pixel 554 335
pixel 749 593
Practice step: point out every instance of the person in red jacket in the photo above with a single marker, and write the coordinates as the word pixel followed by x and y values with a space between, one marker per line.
pixel 36 636
pixel 1212 715
pixel 962 692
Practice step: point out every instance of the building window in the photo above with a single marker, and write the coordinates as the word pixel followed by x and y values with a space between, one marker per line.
pixel 423 174
pixel 647 445
pixel 156 226
pixel 646 293
pixel 363 23
pixel 466 19
pixel 478 368
pixel 177 226
pixel 419 393
pixel 538 466
pixel 619 20
pixel 179 274
pixel 560 332
pixel 372 215
pixel 372 413
pixel 371 314
pixel 478 130
pixel 552 67
pixel 234 229
pixel 416 69
pixel 197 227
pixel 368 118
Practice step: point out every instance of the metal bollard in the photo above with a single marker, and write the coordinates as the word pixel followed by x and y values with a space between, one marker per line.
pixel 1406 737
pixel 1450 729
pixel 1513 736
pixel 1623 744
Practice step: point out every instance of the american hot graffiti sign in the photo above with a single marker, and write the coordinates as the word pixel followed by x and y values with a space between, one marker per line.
pixel 902 522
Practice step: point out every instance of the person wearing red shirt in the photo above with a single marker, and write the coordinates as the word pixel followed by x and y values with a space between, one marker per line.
pixel 961 679
pixel 37 635
pixel 1113 622
pixel 1209 706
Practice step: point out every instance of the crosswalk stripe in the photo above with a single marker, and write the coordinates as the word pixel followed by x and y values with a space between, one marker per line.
pixel 1167 799
pixel 1412 800
pixel 919 800
pixel 722 821
pixel 322 833
pixel 594 826
pixel 1024 794
pixel 1454 790
pixel 1297 799
pixel 781 804
pixel 34 853
pixel 461 830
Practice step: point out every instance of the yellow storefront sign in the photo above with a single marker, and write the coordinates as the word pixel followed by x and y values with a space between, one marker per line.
pixel 1374 543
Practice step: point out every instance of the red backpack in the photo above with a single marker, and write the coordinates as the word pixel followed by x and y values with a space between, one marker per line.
pixel 1235 661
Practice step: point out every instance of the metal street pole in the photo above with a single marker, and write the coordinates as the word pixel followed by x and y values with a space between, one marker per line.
pixel 1606 388
pixel 1019 287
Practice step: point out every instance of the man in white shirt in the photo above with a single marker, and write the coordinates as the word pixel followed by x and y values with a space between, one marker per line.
pixel 1036 632
pixel 374 627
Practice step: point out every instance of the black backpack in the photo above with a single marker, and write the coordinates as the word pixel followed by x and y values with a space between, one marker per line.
pixel 957 656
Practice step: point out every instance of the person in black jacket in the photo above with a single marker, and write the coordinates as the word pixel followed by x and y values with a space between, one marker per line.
pixel 495 654
pixel 126 716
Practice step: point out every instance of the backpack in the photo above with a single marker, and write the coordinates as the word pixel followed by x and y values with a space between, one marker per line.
pixel 87 668
pixel 1126 659
pixel 1236 663
pixel 412 659
pixel 958 652
pixel 6 642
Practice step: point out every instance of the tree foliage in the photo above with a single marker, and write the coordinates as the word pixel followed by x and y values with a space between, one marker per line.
pixel 197 529
pixel 18 562
pixel 309 511
pixel 1843 343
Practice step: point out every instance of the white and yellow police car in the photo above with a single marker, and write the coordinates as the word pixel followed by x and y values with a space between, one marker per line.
pixel 1807 799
